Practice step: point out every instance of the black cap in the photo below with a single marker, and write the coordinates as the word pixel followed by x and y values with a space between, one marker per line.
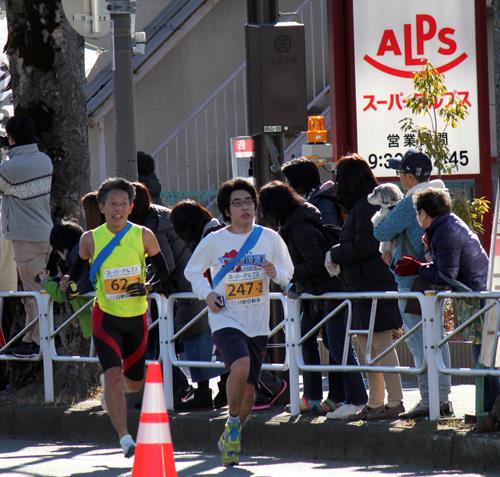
pixel 415 162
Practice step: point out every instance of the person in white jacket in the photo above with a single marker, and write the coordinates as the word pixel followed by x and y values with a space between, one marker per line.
pixel 238 302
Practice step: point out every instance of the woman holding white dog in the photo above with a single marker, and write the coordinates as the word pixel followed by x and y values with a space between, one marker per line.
pixel 362 269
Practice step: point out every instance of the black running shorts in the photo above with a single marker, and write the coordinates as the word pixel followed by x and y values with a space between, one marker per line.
pixel 120 342
pixel 233 344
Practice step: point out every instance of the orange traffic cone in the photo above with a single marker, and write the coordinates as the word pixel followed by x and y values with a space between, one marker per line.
pixel 154 452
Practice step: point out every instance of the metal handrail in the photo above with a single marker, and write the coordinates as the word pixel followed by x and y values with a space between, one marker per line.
pixel 431 326
pixel 29 326
pixel 369 366
pixel 440 342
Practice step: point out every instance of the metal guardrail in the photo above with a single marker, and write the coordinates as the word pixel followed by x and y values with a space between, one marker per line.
pixel 41 306
pixel 168 337
pixel 431 324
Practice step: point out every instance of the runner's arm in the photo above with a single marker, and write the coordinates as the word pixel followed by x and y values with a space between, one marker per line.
pixel 196 267
pixel 85 251
pixel 151 245
pixel 152 248
pixel 281 261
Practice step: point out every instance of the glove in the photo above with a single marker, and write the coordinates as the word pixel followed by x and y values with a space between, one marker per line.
pixel 137 289
pixel 407 266
pixel 333 269
pixel 72 290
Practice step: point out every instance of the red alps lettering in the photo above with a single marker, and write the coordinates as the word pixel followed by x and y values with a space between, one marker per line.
pixel 414 45
pixel 425 30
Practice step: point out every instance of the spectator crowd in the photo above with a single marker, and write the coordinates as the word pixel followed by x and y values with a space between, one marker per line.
pixel 348 234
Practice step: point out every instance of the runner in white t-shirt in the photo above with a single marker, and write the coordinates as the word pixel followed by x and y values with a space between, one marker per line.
pixel 239 304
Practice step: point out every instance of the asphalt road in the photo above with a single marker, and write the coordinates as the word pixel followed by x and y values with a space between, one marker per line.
pixel 27 458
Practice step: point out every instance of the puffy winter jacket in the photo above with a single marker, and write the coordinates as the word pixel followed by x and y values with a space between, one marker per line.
pixel 456 252
pixel 402 227
pixel 307 246
pixel 362 268
pixel 324 200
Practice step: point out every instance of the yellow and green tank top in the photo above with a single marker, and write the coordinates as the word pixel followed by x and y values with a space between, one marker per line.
pixel 125 265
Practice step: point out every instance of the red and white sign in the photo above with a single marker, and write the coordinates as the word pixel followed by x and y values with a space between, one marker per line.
pixel 243 146
pixel 242 151
pixel 392 40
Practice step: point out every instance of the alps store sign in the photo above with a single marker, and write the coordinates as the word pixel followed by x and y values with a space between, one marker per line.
pixel 392 40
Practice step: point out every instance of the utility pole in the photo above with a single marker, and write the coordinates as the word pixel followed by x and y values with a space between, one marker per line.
pixel 261 12
pixel 123 88
pixel 269 153
pixel 496 49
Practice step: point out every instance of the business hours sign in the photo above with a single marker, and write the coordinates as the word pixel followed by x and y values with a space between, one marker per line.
pixel 392 40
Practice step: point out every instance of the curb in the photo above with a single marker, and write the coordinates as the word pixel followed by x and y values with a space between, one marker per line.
pixel 272 433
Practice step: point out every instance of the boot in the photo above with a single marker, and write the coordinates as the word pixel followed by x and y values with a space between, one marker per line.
pixel 201 400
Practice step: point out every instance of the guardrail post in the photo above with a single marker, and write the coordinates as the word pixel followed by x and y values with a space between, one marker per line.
pixel 44 309
pixel 431 334
pixel 292 322
pixel 166 331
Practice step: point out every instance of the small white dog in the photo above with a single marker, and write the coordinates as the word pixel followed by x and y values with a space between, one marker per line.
pixel 387 196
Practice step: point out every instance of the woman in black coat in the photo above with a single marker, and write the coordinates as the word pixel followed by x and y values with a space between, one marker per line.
pixel 301 228
pixel 362 269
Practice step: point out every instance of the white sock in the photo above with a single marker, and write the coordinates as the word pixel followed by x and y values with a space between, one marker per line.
pixel 128 445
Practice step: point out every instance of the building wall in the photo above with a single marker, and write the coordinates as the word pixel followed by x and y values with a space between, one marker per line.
pixel 179 82
pixel 175 87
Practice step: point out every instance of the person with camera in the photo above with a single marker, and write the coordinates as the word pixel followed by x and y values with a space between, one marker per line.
pixel 25 183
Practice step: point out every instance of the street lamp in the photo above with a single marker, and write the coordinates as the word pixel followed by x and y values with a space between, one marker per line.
pixel 95 19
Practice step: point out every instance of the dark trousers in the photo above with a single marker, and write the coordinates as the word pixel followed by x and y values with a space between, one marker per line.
pixel 347 387
pixel 313 384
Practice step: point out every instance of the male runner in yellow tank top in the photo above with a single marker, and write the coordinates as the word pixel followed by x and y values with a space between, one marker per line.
pixel 119 324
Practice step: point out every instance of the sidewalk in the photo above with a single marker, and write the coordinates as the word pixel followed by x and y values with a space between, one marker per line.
pixel 447 445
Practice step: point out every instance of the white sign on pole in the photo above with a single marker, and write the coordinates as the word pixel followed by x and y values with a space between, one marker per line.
pixel 242 151
pixel 90 18
pixel 392 40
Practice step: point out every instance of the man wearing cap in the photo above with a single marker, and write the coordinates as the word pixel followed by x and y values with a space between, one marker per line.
pixel 401 226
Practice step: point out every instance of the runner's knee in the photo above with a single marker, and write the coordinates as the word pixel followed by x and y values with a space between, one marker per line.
pixel 113 377
pixel 241 368
pixel 133 386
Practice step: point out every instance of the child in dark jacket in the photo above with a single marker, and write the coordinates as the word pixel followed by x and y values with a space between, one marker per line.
pixel 64 240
